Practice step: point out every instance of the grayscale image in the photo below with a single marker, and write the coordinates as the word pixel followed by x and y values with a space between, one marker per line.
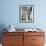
pixel 26 13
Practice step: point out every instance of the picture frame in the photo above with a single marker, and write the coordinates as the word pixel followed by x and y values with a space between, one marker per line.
pixel 26 13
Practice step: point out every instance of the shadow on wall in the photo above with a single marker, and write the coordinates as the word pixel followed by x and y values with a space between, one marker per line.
pixel 2 26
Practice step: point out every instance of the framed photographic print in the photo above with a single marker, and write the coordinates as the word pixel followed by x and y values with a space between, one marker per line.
pixel 26 13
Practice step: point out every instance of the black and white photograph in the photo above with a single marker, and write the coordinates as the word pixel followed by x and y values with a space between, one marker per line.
pixel 26 13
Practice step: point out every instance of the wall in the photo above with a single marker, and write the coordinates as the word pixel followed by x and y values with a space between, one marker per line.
pixel 10 13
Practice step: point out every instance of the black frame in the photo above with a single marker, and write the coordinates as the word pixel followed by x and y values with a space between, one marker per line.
pixel 27 8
